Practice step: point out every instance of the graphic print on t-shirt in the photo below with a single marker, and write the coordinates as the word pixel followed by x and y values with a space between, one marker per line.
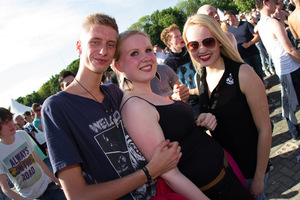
pixel 122 153
pixel 22 166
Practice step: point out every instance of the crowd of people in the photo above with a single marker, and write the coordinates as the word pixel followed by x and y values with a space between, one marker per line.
pixel 206 133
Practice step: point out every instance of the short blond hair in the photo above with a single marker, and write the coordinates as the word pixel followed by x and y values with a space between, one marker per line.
pixel 99 19
pixel 226 48
pixel 165 36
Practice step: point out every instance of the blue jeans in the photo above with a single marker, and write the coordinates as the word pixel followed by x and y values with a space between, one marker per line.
pixel 262 196
pixel 53 192
pixel 255 62
pixel 293 128
pixel 263 54
pixel 3 196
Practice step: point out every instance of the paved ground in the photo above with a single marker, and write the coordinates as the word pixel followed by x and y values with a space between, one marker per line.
pixel 284 179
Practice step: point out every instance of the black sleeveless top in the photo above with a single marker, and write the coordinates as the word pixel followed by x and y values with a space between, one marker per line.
pixel 202 157
pixel 236 130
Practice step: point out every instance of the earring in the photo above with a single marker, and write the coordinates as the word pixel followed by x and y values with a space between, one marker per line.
pixel 157 75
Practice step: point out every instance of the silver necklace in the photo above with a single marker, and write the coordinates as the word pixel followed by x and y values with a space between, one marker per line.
pixel 111 110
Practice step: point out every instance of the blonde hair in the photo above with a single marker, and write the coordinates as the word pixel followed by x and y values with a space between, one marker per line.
pixel 99 19
pixel 226 48
pixel 124 83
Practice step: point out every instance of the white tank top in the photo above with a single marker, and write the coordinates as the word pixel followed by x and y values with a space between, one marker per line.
pixel 283 63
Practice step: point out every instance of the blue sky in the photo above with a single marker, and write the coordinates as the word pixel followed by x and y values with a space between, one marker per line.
pixel 38 37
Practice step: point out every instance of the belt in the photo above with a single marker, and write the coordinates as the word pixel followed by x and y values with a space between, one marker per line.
pixel 218 178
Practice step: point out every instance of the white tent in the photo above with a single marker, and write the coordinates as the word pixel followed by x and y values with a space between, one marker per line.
pixel 17 108
pixel 221 14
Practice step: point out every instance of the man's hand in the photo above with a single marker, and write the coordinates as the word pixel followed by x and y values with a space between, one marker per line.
pixel 180 93
pixel 246 45
pixel 165 157
pixel 207 120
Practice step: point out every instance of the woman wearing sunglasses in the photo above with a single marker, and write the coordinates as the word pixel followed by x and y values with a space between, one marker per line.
pixel 150 118
pixel 231 90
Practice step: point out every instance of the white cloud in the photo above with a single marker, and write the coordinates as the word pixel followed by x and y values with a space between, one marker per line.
pixel 38 37
pixel 34 30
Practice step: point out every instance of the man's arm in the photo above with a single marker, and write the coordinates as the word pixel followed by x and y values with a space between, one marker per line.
pixel 280 33
pixel 255 39
pixel 8 191
pixel 40 127
pixel 180 92
pixel 165 158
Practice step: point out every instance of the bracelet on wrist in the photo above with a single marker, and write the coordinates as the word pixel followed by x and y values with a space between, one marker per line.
pixel 145 170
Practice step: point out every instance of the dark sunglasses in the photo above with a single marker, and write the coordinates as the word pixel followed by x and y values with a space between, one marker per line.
pixel 207 42
pixel 37 110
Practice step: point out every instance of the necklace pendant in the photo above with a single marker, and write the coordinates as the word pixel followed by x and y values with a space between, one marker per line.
pixel 115 122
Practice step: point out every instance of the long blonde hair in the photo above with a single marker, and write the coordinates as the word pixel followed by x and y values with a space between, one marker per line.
pixel 226 48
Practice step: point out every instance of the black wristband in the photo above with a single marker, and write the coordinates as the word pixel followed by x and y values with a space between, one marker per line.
pixel 147 174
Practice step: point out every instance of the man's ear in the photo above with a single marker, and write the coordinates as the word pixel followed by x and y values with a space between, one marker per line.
pixel 169 44
pixel 79 47
pixel 118 66
pixel 266 3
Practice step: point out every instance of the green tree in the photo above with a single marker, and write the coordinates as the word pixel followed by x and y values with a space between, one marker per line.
pixel 73 67
pixel 153 25
pixel 45 90
pixel 189 7
pixel 245 5
pixel 27 100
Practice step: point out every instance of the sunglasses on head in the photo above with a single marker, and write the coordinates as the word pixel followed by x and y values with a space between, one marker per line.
pixel 207 42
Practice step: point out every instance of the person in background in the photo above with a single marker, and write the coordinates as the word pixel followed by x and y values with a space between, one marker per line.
pixel 294 25
pixel 38 137
pixel 255 14
pixel 65 79
pixel 231 91
pixel 246 38
pixel 20 121
pixel 174 120
pixel 265 60
pixel 286 60
pixel 28 127
pixel 179 60
pixel 31 177
pixel 166 84
pixel 212 11
pixel 280 14
pixel 99 159
pixel 37 122
pixel 160 54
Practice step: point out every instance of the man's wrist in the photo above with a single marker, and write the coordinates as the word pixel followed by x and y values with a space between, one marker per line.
pixel 148 176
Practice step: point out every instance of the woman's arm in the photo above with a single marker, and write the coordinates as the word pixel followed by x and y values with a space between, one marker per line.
pixel 141 121
pixel 253 88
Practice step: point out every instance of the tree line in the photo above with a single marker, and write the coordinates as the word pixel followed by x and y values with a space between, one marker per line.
pixel 153 25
